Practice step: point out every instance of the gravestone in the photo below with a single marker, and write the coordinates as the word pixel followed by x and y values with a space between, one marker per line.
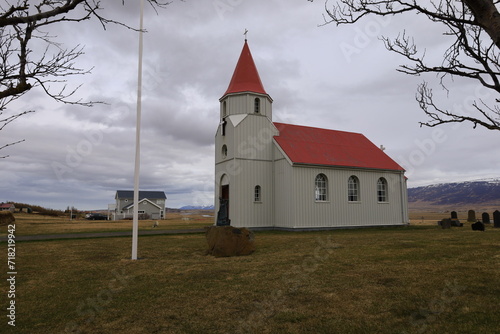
pixel 454 220
pixel 446 223
pixel 496 219
pixel 223 214
pixel 471 216
pixel 477 226
pixel 485 218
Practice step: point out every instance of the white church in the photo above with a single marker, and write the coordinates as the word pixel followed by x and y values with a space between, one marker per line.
pixel 276 175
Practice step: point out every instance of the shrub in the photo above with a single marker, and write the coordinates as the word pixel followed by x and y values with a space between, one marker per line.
pixel 6 218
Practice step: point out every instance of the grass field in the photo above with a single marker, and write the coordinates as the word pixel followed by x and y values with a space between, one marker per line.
pixel 29 224
pixel 416 279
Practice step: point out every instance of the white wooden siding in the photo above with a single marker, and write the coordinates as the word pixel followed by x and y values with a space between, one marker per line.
pixel 249 163
pixel 284 192
pixel 301 210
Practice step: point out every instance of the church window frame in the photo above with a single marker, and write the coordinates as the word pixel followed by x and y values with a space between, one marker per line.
pixel 256 105
pixel 223 127
pixel 224 151
pixel 353 189
pixel 224 109
pixel 321 188
pixel 257 194
pixel 382 190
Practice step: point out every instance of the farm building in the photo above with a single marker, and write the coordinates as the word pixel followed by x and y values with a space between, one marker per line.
pixel 151 204
pixel 7 207
pixel 276 175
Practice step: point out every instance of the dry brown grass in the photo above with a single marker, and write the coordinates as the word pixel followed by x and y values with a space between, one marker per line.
pixel 380 280
pixel 430 215
pixel 33 224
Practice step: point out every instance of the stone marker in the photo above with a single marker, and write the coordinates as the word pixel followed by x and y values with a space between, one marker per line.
pixel 471 216
pixel 229 241
pixel 477 226
pixel 223 214
pixel 446 223
pixel 454 220
pixel 496 219
pixel 485 218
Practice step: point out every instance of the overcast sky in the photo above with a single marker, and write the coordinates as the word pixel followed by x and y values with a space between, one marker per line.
pixel 332 77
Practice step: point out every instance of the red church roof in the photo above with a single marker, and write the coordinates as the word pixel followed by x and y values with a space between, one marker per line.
pixel 315 146
pixel 245 77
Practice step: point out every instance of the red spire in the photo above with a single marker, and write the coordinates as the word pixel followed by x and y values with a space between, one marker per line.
pixel 245 77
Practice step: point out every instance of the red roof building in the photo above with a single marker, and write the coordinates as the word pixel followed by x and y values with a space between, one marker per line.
pixel 277 175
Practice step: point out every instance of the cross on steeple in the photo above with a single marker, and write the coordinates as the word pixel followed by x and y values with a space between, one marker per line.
pixel 245 33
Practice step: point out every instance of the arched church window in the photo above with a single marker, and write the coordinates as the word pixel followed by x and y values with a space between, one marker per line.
pixel 321 188
pixel 224 109
pixel 256 105
pixel 382 190
pixel 224 151
pixel 257 194
pixel 353 189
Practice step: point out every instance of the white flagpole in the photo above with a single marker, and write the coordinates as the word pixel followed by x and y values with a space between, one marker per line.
pixel 135 224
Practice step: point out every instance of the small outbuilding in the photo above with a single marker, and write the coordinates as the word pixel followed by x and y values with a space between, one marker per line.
pixel 7 207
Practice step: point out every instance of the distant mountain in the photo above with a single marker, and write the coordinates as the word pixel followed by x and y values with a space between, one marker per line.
pixel 194 207
pixel 470 192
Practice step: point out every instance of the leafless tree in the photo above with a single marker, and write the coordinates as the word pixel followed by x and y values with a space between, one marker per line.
pixel 474 30
pixel 22 25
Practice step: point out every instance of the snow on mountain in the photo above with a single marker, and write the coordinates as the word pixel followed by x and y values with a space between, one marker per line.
pixel 469 192
pixel 195 207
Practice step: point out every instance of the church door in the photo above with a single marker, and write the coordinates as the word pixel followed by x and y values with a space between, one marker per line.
pixel 225 195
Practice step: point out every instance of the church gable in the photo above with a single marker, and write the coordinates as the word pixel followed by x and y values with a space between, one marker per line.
pixel 315 146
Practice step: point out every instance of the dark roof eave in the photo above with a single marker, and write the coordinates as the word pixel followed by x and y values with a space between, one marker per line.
pixel 128 194
pixel 303 164
pixel 247 92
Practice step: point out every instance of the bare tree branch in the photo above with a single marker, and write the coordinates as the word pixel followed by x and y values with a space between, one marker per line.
pixel 7 145
pixel 474 30
pixel 22 69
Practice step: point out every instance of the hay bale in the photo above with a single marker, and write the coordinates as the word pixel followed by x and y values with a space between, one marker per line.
pixel 6 218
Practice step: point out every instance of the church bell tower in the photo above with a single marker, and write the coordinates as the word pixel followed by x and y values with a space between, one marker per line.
pixel 244 148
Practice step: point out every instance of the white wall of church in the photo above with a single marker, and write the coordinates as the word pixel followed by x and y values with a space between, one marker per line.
pixel 248 164
pixel 244 176
pixel 244 210
pixel 296 206
pixel 254 137
pixel 284 193
pixel 247 138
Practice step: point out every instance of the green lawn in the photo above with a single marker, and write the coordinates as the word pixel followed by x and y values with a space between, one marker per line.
pixel 379 280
